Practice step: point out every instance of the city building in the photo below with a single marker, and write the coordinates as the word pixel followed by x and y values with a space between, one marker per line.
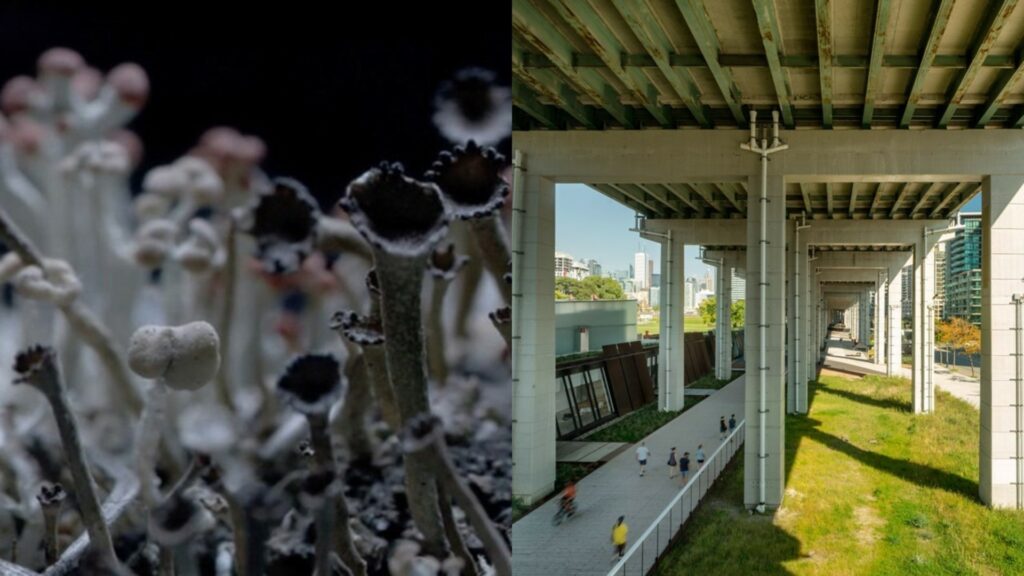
pixel 648 274
pixel 907 292
pixel 709 280
pixel 739 287
pixel 963 269
pixel 940 280
pixel 640 270
pixel 580 270
pixel 563 265
pixel 689 302
pixel 655 296
pixel 594 266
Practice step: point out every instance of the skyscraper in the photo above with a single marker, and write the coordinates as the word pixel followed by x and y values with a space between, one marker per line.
pixel 709 280
pixel 963 270
pixel 595 267
pixel 649 273
pixel 640 270
pixel 689 295
pixel 563 264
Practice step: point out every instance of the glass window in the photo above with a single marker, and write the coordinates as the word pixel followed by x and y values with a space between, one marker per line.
pixel 584 405
pixel 601 394
pixel 564 418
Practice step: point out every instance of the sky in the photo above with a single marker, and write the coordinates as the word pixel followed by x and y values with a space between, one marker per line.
pixel 588 225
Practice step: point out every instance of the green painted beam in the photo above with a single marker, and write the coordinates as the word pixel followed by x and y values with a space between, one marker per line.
pixel 703 33
pixel 585 21
pixel 729 194
pixel 965 197
pixel 928 193
pixel 823 19
pixel 707 193
pixel 768 26
pixel 874 200
pixel 548 84
pixel 904 188
pixel 939 19
pixel 874 81
pixel 806 197
pixel 688 197
pixel 948 61
pixel 530 24
pixel 985 37
pixel 999 91
pixel 853 198
pixel 1017 118
pixel 663 196
pixel 649 32
pixel 636 193
pixel 952 195
pixel 621 198
pixel 828 198
pixel 527 102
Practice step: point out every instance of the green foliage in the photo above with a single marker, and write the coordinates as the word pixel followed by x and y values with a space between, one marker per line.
pixel 707 310
pixel 738 314
pixel 590 288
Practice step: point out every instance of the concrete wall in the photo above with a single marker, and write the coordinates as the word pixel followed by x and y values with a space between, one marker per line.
pixel 609 322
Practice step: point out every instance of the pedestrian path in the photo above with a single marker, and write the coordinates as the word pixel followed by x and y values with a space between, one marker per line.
pixel 582 544
pixel 587 451
pixel 841 356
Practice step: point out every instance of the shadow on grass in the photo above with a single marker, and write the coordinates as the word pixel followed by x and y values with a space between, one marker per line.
pixel 919 474
pixel 886 403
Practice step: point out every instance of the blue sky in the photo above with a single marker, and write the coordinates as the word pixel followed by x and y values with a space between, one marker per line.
pixel 590 225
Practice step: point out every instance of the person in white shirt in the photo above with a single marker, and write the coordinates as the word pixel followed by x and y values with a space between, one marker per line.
pixel 642 454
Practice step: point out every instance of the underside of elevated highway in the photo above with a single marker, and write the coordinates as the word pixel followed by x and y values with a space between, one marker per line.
pixel 822 147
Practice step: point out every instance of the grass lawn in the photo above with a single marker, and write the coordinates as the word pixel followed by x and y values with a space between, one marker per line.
pixel 690 324
pixel 871 489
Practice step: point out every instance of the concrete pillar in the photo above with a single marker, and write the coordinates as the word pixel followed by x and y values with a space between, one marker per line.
pixel 533 351
pixel 894 337
pixel 865 317
pixel 810 345
pixel 670 338
pixel 1002 277
pixel 772 365
pixel 853 321
pixel 791 315
pixel 723 318
pixel 924 345
pixel 880 319
pixel 799 326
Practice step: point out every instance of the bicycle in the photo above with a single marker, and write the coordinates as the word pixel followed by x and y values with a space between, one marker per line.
pixel 565 511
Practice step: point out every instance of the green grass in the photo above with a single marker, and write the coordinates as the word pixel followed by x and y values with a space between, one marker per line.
pixel 690 324
pixel 871 489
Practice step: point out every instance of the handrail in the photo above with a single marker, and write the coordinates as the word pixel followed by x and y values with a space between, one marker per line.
pixel 666 513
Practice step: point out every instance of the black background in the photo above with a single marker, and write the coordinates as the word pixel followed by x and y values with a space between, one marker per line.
pixel 332 92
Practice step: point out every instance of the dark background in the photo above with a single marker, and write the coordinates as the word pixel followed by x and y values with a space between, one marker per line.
pixel 331 92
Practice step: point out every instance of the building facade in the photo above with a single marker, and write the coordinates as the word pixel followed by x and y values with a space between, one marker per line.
pixel 940 280
pixel 563 265
pixel 963 270
pixel 640 270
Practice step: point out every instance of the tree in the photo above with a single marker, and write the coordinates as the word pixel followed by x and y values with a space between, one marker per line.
pixel 944 335
pixel 604 288
pixel 963 335
pixel 707 309
pixel 737 314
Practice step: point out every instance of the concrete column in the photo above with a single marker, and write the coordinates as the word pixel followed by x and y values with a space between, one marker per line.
pixel 533 352
pixel 852 321
pixel 670 338
pixel 865 317
pixel 895 313
pixel 1002 271
pixel 723 318
pixel 924 346
pixel 880 319
pixel 809 328
pixel 772 365
pixel 799 327
pixel 791 315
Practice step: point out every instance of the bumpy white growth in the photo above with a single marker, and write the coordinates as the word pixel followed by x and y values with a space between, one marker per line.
pixel 56 283
pixel 202 249
pixel 166 181
pixel 185 357
pixel 154 241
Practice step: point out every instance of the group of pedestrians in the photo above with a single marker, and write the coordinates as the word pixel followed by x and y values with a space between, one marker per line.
pixel 620 530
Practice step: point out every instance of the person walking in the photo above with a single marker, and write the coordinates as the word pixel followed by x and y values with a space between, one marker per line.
pixel 732 422
pixel 700 455
pixel 620 533
pixel 684 467
pixel 721 428
pixel 642 454
pixel 672 463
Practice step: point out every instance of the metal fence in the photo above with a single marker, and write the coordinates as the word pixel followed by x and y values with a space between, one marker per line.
pixel 641 556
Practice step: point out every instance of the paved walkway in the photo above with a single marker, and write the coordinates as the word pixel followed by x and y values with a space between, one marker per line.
pixel 582 544
pixel 587 451
pixel 842 357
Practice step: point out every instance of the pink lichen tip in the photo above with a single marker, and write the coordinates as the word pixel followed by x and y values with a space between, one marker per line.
pixel 470 180
pixel 311 384
pixel 61 61
pixel 87 83
pixel 17 94
pixel 27 135
pixel 395 213
pixel 131 83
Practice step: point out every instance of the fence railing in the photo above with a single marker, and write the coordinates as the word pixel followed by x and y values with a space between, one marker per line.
pixel 641 556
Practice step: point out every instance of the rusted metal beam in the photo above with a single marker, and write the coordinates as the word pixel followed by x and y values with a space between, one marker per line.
pixel 873 84
pixel 939 19
pixel 904 188
pixel 768 25
pixel 703 33
pixel 823 18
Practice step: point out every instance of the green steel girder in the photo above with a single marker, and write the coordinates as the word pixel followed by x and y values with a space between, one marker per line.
pixel 645 27
pixel 585 21
pixel 688 197
pixel 874 82
pixel 806 197
pixel 727 191
pixel 637 194
pixel 703 33
pixel 904 188
pixel 828 198
pixel 984 39
pixel 958 190
pixel 874 200
pixel 530 24
pixel 939 19
pixel 1000 90
pixel 853 198
pixel 611 192
pixel 935 186
pixel 527 102
pixel 768 26
pixel 823 18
